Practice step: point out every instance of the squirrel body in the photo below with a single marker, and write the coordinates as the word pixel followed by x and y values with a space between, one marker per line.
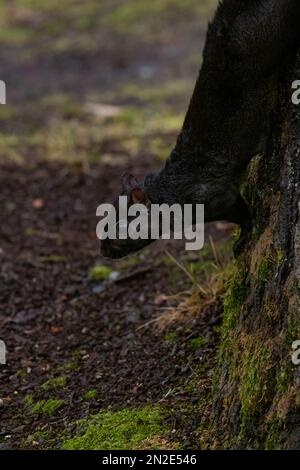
pixel 229 117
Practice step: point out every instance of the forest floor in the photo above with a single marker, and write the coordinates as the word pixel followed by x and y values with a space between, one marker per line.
pixel 100 354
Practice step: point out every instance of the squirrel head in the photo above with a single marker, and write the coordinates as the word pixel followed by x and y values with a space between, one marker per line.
pixel 135 193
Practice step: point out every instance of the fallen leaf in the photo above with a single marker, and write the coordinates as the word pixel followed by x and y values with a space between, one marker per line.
pixel 38 203
pixel 56 329
pixel 160 299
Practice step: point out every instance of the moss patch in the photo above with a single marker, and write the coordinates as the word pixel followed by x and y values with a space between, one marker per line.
pixel 45 407
pixel 196 343
pixel 124 429
pixel 99 273
pixel 272 440
pixel 55 382
pixel 265 269
pixel 91 394
pixel 235 295
pixel 257 379
pixel 171 337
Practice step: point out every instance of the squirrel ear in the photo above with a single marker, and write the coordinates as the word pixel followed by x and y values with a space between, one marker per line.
pixel 138 196
pixel 129 182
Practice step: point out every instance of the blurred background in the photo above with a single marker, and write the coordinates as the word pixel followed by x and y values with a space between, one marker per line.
pixel 97 81
pixel 95 88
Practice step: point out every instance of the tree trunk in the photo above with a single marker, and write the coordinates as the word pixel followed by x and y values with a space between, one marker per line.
pixel 256 391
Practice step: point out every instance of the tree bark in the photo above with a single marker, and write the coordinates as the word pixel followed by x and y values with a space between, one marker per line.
pixel 256 391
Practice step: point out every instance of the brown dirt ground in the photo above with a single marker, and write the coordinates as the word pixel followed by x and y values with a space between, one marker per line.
pixel 53 318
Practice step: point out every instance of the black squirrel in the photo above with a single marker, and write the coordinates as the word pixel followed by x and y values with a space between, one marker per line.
pixel 228 120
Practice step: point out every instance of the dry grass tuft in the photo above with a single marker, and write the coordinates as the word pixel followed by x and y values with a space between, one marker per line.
pixel 206 292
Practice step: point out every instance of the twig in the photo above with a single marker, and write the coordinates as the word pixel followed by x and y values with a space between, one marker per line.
pixel 138 272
